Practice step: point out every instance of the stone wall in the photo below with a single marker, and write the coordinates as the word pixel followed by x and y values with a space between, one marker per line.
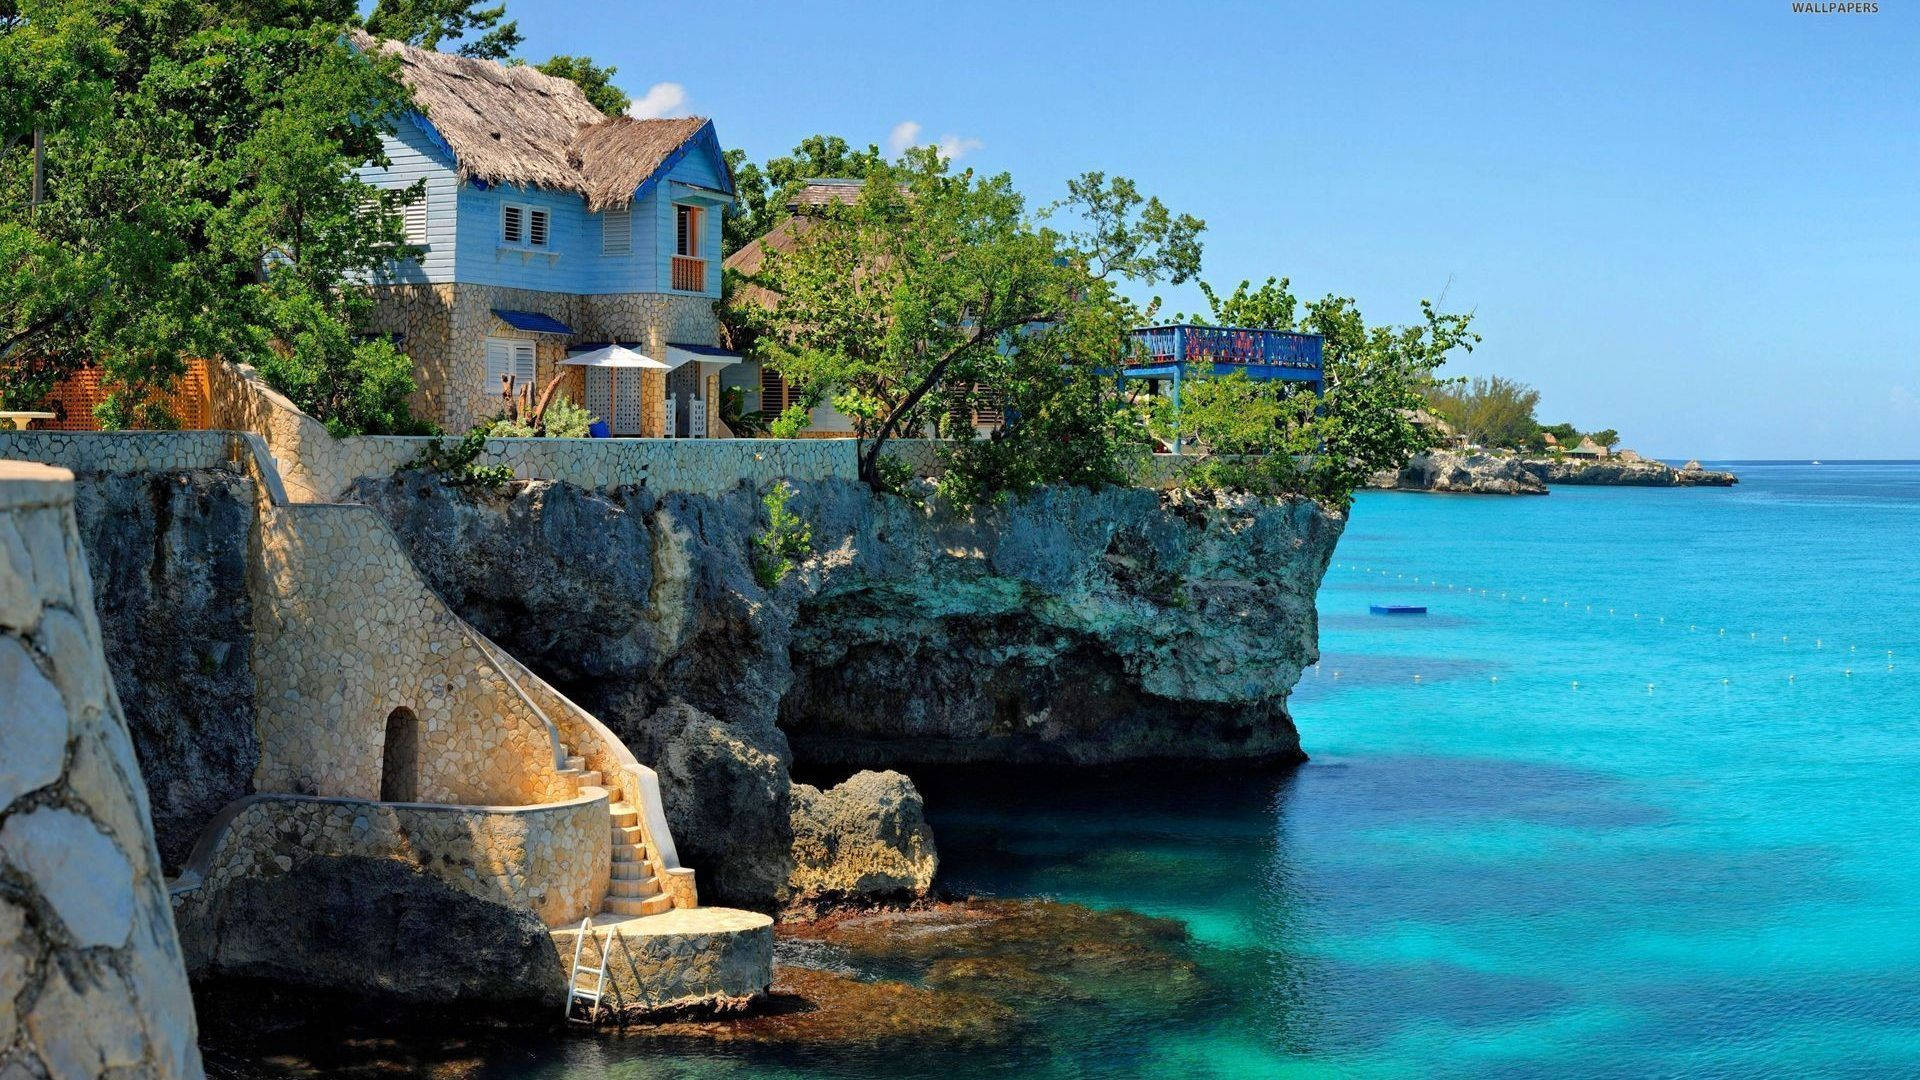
pixel 91 980
pixel 444 329
pixel 316 467
pixel 552 859
pixel 345 633
pixel 121 451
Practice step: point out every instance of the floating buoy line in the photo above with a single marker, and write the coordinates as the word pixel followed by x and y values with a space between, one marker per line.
pixel 1788 677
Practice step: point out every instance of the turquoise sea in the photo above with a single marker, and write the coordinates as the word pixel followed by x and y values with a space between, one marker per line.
pixel 1639 797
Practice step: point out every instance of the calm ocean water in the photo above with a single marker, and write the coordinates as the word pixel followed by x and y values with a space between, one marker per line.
pixel 1640 797
pixel 1704 860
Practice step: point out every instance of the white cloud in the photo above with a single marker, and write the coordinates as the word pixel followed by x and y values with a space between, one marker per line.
pixel 661 99
pixel 906 133
pixel 953 146
pixel 902 136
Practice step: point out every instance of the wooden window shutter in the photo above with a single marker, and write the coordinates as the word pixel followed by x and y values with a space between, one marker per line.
pixel 537 234
pixel 511 226
pixel 616 231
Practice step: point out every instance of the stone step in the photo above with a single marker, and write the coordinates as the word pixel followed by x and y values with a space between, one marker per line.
pixel 628 871
pixel 624 814
pixel 629 853
pixel 628 834
pixel 633 888
pixel 590 778
pixel 575 761
pixel 649 905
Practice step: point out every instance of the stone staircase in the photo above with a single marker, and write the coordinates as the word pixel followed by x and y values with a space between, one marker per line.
pixel 632 888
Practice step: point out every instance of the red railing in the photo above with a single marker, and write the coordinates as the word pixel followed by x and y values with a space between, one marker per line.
pixel 689 274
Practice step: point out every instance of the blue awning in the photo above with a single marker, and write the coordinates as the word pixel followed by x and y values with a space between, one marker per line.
pixel 532 322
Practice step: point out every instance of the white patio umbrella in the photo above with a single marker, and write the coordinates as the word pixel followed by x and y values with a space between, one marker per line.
pixel 614 356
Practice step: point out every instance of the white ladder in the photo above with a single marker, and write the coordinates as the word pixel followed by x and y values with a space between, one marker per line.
pixel 576 992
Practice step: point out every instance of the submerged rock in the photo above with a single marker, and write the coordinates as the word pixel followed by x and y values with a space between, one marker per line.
pixel 1024 950
pixel 863 840
pixel 830 1010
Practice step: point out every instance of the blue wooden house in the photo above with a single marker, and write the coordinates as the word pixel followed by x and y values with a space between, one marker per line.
pixel 548 231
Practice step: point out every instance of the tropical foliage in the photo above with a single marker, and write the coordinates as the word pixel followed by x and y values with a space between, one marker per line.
pixel 938 290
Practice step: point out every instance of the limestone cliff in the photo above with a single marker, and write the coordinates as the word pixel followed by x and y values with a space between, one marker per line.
pixel 168 554
pixel 1071 627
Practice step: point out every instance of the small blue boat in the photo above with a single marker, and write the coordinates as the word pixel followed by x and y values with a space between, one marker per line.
pixel 1397 609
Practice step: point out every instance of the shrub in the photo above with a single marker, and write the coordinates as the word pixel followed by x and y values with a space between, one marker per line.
pixel 565 420
pixel 459 463
pixel 786 540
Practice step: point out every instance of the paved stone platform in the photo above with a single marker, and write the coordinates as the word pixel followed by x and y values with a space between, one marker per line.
pixel 680 958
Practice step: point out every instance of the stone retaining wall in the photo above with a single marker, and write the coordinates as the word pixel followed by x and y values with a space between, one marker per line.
pixel 552 859
pixel 91 979
pixel 345 633
pixel 120 451
pixel 316 467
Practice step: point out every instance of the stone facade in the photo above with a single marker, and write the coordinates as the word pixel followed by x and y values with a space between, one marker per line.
pixel 91 980
pixel 684 958
pixel 315 467
pixel 444 328
pixel 345 633
pixel 552 859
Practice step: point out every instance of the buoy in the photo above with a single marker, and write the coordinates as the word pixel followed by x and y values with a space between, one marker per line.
pixel 1723 631
pixel 1723 682
pixel 1817 645
pixel 1849 673
pixel 1649 688
pixel 1493 678
pixel 1789 678
pixel 1576 684
pixel 1416 678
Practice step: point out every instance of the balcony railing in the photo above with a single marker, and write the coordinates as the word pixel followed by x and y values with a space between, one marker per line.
pixel 1284 349
pixel 689 274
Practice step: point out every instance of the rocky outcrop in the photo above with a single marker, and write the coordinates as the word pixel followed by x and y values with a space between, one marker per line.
pixel 168 554
pixel 1462 473
pixel 864 839
pixel 1619 473
pixel 1068 627
pixel 378 929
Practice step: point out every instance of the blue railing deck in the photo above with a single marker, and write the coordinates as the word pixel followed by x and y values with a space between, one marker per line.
pixel 1188 344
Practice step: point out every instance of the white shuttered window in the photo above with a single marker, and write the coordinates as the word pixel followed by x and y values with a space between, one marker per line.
pixel 616 232
pixel 508 356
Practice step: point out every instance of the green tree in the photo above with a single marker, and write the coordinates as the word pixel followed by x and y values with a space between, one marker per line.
pixel 1489 410
pixel 937 285
pixel 594 81
pixel 428 23
pixel 1377 379
pixel 1606 437
pixel 762 191
pixel 200 200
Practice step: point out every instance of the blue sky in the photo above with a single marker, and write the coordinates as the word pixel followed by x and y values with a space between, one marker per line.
pixel 1698 223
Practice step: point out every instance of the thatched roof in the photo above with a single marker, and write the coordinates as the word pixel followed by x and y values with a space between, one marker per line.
pixel 752 255
pixel 618 154
pixel 826 191
pixel 785 234
pixel 517 125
